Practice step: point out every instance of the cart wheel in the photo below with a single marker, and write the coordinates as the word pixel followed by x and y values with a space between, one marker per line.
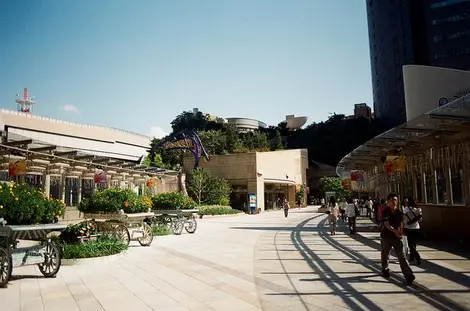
pixel 121 233
pixel 177 227
pixel 52 260
pixel 6 267
pixel 147 238
pixel 191 225
pixel 167 221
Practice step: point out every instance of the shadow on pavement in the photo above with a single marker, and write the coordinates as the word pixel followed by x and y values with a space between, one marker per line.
pixel 342 286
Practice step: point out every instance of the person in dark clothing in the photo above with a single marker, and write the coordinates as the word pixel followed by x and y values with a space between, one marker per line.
pixel 391 236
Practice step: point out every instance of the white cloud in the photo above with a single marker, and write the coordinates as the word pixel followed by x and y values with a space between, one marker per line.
pixel 70 109
pixel 157 132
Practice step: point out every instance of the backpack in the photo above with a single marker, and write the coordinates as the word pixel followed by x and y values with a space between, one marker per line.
pixel 413 215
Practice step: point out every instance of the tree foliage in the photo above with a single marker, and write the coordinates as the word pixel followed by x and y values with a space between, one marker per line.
pixel 327 142
pixel 333 184
pixel 207 189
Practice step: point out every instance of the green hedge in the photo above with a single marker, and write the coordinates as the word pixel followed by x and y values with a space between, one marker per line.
pixel 171 201
pixel 113 200
pixel 216 210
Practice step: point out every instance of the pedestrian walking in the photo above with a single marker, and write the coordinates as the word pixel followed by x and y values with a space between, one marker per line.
pixel 285 206
pixel 412 218
pixel 333 215
pixel 351 214
pixel 391 236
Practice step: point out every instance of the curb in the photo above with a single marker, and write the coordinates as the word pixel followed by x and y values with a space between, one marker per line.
pixel 220 216
pixel 93 260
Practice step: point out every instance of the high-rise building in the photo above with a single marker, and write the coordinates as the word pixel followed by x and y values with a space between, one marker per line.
pixel 420 32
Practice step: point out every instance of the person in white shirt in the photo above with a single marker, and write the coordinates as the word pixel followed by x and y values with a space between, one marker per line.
pixel 412 230
pixel 351 214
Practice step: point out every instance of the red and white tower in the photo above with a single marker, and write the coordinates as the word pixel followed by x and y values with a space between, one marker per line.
pixel 25 103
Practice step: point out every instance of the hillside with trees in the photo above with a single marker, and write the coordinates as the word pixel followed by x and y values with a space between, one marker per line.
pixel 327 142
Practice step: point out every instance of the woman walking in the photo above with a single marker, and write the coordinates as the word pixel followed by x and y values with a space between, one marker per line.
pixel 411 222
pixel 333 215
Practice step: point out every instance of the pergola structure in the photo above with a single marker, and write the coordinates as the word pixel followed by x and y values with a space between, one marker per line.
pixel 439 139
pixel 64 164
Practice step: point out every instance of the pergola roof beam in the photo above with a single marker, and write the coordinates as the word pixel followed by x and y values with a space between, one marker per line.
pixel 43 149
pixel 66 153
pixel 19 142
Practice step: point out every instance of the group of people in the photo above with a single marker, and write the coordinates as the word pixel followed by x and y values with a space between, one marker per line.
pixel 395 222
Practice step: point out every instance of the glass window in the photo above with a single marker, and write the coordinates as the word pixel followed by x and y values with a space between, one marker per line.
pixel 71 191
pixel 419 189
pixel 456 182
pixel 54 190
pixel 88 186
pixel 441 186
pixel 34 180
pixel 429 183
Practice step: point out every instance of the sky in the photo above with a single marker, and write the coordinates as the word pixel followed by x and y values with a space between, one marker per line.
pixel 136 65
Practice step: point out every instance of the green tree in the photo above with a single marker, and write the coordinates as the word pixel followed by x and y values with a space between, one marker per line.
pixel 333 184
pixel 277 142
pixel 188 120
pixel 171 159
pixel 233 141
pixel 255 141
pixel 213 141
pixel 207 189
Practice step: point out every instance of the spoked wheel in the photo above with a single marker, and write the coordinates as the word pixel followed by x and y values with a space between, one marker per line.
pixel 6 267
pixel 191 225
pixel 167 221
pixel 147 238
pixel 121 233
pixel 178 225
pixel 52 260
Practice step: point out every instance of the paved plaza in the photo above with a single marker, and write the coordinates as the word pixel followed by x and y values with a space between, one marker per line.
pixel 244 263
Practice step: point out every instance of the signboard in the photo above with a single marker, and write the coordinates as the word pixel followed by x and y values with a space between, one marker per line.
pixel 252 200
pixel 100 177
pixel 184 140
pixel 17 168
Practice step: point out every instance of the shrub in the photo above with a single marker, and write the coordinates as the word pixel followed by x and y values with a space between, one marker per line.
pixel 113 200
pixel 160 229
pixel 171 201
pixel 22 204
pixel 208 189
pixel 217 210
pixel 104 246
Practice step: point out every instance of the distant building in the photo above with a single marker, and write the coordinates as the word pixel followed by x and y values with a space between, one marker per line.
pixel 244 125
pixel 295 123
pixel 361 110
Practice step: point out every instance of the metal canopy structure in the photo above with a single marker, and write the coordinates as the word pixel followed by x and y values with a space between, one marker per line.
pixel 42 157
pixel 441 126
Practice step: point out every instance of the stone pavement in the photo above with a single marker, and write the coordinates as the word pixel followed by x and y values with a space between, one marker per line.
pixel 249 262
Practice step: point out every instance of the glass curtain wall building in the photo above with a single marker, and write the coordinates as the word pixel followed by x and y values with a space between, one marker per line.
pixel 420 32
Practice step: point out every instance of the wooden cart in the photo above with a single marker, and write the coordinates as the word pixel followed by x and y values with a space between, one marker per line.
pixel 45 253
pixel 126 227
pixel 176 220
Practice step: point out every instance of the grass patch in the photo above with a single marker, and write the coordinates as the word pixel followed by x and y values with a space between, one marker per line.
pixel 104 246
pixel 159 230
pixel 216 210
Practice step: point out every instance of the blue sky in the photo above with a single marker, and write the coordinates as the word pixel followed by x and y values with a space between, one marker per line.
pixel 135 65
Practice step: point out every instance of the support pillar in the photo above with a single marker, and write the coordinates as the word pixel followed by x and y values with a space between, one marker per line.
pixel 62 188
pixel 47 185
pixel 79 190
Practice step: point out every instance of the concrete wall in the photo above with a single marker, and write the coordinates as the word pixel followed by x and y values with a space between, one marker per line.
pixel 253 170
pixel 99 140
pixel 427 88
pixel 446 222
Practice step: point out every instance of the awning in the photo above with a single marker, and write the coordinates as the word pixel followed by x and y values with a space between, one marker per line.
pixel 450 122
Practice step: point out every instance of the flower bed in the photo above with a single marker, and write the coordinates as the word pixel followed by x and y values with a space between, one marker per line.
pixel 172 201
pixel 22 204
pixel 216 210
pixel 115 200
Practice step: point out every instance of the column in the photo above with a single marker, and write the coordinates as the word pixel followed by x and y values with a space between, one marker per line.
pixel 62 188
pixel 79 190
pixel 291 195
pixel 47 185
pixel 447 174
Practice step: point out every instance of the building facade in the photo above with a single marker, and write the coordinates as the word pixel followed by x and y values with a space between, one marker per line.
pixel 244 125
pixel 405 32
pixel 265 174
